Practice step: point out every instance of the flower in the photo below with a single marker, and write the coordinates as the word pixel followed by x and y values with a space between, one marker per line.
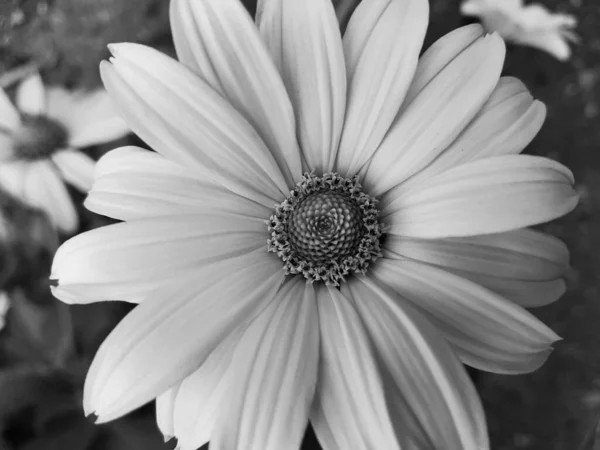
pixel 327 230
pixel 38 142
pixel 531 25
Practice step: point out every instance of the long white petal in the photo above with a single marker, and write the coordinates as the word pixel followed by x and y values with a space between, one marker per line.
pixel 435 385
pixel 132 183
pixel 501 336
pixel 381 46
pixel 76 168
pixel 203 394
pixel 184 119
pixel 506 124
pixel 89 117
pixel 350 409
pixel 275 367
pixel 44 189
pixel 130 259
pixel 485 196
pixel 304 40
pixel 172 333
pixel 218 40
pixel 437 115
pixel 165 404
pixel 9 116
pixel 439 55
pixel 31 95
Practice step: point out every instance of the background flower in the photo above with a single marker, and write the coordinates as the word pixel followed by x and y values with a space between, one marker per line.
pixel 38 141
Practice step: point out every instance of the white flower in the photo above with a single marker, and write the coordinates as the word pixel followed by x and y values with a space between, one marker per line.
pixel 38 141
pixel 225 224
pixel 531 25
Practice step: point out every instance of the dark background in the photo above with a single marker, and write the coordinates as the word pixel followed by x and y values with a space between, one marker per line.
pixel 47 346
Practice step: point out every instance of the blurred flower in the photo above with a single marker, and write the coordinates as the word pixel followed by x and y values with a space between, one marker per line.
pixel 254 318
pixel 38 141
pixel 531 25
pixel 4 307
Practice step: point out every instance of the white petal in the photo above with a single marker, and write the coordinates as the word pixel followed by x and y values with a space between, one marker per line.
pixel 203 394
pixel 486 196
pixel 381 46
pixel 31 96
pixel 90 117
pixel 172 333
pixel 76 168
pixel 128 260
pixel 437 115
pixel 350 409
pixel 218 40
pixel 435 385
pixel 164 412
pixel 304 40
pixel 9 116
pixel 499 335
pixel 439 55
pixel 132 183
pixel 44 189
pixel 506 124
pixel 275 367
pixel 184 119
pixel 521 254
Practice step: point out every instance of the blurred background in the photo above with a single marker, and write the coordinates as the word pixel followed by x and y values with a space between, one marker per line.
pixel 46 346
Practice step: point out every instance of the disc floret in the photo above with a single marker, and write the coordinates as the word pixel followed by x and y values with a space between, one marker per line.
pixel 327 229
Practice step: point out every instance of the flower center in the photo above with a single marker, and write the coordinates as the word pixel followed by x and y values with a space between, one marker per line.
pixel 38 137
pixel 326 229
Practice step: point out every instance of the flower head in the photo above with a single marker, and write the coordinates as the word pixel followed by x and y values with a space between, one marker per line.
pixel 38 141
pixel 329 228
pixel 531 25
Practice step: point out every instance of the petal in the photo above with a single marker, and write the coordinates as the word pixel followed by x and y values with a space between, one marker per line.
pixel 30 97
pixel 9 116
pixel 486 196
pixel 90 117
pixel 498 335
pixel 42 188
pixel 521 254
pixel 275 368
pixel 305 42
pixel 126 261
pixel 435 385
pixel 195 126
pixel 132 183
pixel 441 53
pixel 350 409
pixel 506 124
pixel 381 46
pixel 165 404
pixel 218 40
pixel 437 115
pixel 172 333
pixel 202 395
pixel 76 168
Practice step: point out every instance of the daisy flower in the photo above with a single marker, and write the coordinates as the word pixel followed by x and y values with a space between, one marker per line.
pixel 531 25
pixel 38 141
pixel 330 227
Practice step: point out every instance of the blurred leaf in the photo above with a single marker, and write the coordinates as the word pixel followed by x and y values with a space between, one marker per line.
pixel 47 326
pixel 134 433
pixel 76 433
pixel 19 388
pixel 592 438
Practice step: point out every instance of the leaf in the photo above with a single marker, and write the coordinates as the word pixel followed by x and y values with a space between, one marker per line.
pixel 46 327
pixel 77 433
